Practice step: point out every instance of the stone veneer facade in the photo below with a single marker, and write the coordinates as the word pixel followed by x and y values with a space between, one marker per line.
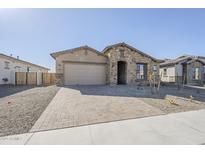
pixel 190 73
pixel 110 57
pixel 131 58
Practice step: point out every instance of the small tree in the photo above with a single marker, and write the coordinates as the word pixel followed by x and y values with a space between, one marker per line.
pixel 154 82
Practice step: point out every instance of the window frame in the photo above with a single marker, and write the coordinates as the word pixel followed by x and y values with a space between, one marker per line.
pixel 196 73
pixel 17 68
pixel 154 68
pixel 6 65
pixel 122 53
pixel 164 72
pixel 28 69
pixel 138 72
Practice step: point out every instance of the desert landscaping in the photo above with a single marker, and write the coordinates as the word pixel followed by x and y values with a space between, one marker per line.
pixel 21 106
pixel 30 109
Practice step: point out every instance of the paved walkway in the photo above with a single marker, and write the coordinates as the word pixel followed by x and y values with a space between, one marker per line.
pixel 73 107
pixel 178 128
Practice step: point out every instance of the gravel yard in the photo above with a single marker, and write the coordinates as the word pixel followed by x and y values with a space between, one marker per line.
pixel 180 104
pixel 172 100
pixel 6 90
pixel 21 106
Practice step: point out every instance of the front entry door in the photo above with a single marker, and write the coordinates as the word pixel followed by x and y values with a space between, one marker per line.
pixel 184 73
pixel 121 72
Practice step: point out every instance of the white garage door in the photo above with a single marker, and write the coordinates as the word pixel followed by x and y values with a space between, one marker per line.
pixel 84 74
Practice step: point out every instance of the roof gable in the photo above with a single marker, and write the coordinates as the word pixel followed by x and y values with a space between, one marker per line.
pixel 55 54
pixel 130 47
pixel 185 59
pixel 196 60
pixel 175 61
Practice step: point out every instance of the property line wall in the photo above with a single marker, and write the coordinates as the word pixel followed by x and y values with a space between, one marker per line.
pixel 10 73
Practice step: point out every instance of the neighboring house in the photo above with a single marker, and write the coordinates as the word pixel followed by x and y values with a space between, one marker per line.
pixel 185 69
pixel 116 64
pixel 9 65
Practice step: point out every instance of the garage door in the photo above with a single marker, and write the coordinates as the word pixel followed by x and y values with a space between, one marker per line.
pixel 84 74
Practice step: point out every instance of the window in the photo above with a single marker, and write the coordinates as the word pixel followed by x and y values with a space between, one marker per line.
pixel 17 68
pixel 196 73
pixel 141 71
pixel 28 69
pixel 155 68
pixel 6 64
pixel 165 72
pixel 122 53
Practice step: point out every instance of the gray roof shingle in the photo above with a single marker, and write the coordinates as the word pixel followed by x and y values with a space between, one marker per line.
pixel 181 59
pixel 130 47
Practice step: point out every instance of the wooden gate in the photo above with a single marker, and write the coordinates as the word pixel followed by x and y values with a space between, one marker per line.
pixel 53 78
pixel 49 79
pixel 31 78
pixel 20 78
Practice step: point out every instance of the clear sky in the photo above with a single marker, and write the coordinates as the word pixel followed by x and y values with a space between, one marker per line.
pixel 32 34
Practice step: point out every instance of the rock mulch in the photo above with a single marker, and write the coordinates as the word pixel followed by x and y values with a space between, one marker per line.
pixel 20 110
pixel 172 100
pixel 178 104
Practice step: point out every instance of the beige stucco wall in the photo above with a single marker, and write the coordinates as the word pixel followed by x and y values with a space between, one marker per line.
pixel 171 73
pixel 131 58
pixel 13 64
pixel 81 55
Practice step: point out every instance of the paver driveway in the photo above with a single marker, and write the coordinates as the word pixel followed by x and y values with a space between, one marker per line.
pixel 83 105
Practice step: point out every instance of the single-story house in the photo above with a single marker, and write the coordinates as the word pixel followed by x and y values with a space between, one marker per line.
pixel 9 65
pixel 185 69
pixel 116 64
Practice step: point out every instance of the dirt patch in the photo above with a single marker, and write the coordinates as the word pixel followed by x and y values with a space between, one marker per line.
pixel 173 105
pixel 19 111
pixel 172 99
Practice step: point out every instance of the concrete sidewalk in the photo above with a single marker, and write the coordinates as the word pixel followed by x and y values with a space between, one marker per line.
pixel 179 128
